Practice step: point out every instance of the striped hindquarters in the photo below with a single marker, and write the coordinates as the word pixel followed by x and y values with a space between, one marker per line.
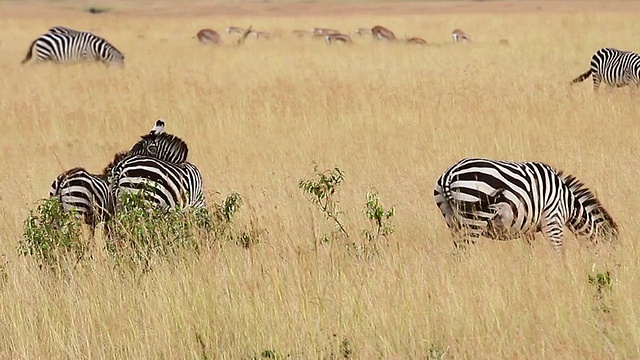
pixel 165 184
pixel 614 67
pixel 84 193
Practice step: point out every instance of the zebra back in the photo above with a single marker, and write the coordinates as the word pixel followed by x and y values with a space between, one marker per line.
pixel 164 146
pixel 166 184
pixel 87 194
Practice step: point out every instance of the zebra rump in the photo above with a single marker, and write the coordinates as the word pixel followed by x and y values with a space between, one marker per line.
pixel 616 68
pixel 164 183
pixel 505 200
pixel 85 193
pixel 64 45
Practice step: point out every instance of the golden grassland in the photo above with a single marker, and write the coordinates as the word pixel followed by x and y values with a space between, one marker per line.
pixel 392 117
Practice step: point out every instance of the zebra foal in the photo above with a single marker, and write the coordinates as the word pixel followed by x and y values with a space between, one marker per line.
pixel 87 194
pixel 616 68
pixel 504 200
pixel 63 45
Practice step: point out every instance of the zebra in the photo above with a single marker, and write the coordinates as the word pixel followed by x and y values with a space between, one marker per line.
pixel 64 45
pixel 85 193
pixel 168 184
pixel 504 200
pixel 158 163
pixel 617 68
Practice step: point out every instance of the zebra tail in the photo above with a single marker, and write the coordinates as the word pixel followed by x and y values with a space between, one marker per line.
pixel 582 77
pixel 29 53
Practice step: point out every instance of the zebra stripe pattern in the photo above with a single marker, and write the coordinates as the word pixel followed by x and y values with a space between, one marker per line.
pixel 166 184
pixel 504 200
pixel 615 67
pixel 64 45
pixel 85 193
pixel 161 145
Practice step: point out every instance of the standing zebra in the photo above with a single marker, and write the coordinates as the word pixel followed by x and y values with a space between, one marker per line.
pixel 615 67
pixel 86 193
pixel 158 165
pixel 167 184
pixel 504 200
pixel 64 45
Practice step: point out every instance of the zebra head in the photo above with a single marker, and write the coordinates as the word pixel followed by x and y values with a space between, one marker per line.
pixel 163 146
pixel 588 216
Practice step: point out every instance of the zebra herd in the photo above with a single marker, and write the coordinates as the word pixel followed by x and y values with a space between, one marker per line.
pixel 157 164
pixel 500 200
pixel 478 197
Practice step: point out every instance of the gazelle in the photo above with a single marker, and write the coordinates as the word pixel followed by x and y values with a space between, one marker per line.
pixel 208 36
pixel 323 31
pixel 459 35
pixel 417 41
pixel 343 38
pixel 235 30
pixel 382 33
pixel 261 34
pixel 363 31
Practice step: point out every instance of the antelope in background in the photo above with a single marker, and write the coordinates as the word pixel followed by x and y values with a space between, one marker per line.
pixel 235 30
pixel 459 35
pixel 208 36
pixel 417 41
pixel 363 31
pixel 323 31
pixel 343 38
pixel 261 34
pixel 380 33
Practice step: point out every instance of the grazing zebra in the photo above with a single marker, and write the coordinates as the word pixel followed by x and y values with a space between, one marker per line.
pixel 166 184
pixel 64 45
pixel 615 67
pixel 86 193
pixel 504 200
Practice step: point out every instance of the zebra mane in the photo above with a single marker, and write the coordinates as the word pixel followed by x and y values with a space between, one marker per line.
pixel 169 147
pixel 117 158
pixel 587 198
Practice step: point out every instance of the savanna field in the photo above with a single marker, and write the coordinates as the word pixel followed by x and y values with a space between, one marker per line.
pixel 392 117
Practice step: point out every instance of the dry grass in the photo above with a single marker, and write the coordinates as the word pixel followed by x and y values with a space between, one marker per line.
pixel 392 117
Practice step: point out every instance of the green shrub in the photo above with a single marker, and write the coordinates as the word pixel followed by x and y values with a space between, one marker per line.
pixel 52 235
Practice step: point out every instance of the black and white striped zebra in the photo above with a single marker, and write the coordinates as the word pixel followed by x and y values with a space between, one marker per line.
pixel 157 165
pixel 616 68
pixel 504 200
pixel 64 45
pixel 87 194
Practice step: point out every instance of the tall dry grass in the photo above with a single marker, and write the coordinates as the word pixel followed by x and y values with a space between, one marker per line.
pixel 393 118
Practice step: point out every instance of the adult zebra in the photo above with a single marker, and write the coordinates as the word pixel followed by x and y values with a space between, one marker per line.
pixel 85 193
pixel 158 165
pixel 617 68
pixel 63 45
pixel 504 200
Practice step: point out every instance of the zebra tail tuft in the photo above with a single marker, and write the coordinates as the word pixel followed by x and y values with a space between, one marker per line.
pixel 582 77
pixel 29 53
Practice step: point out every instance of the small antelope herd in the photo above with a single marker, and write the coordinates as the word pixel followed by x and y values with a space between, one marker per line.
pixel 330 36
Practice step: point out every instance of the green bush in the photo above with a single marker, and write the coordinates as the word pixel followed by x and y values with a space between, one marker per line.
pixel 52 235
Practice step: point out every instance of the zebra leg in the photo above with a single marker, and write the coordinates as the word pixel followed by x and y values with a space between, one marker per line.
pixel 554 231
pixel 596 81
pixel 529 239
